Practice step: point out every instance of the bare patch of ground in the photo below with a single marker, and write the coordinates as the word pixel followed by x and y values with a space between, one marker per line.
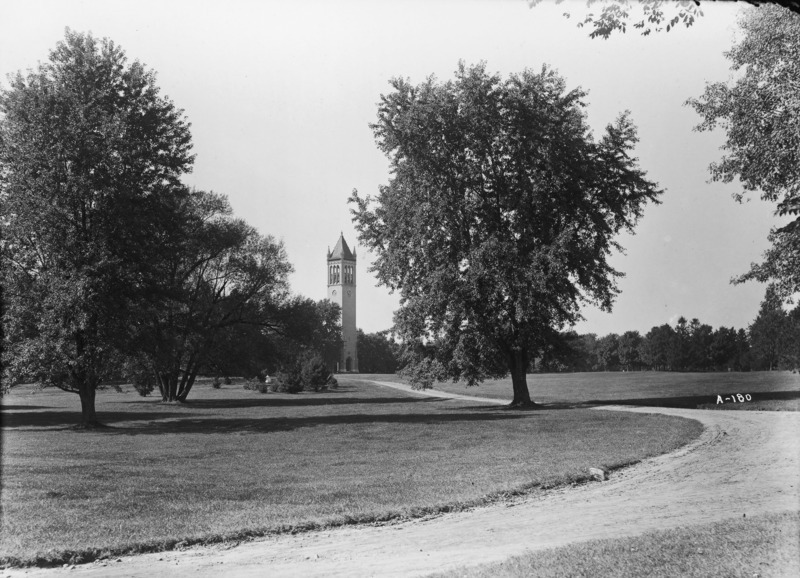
pixel 745 463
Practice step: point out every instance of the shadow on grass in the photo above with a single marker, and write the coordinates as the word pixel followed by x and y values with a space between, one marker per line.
pixel 214 425
pixel 63 419
pixel 6 408
pixel 692 402
pixel 304 400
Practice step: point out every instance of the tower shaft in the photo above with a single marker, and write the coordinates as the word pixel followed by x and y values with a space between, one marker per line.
pixel 342 291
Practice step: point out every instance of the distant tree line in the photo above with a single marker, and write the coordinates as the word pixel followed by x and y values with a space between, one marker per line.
pixel 377 352
pixel 771 342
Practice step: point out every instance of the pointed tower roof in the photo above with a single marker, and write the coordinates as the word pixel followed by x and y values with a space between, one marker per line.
pixel 341 250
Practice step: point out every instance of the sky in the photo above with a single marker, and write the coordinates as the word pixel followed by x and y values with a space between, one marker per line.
pixel 280 95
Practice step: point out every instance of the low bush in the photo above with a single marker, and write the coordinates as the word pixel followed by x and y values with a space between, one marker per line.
pixel 307 372
pixel 288 382
pixel 314 373
pixel 256 385
pixel 143 381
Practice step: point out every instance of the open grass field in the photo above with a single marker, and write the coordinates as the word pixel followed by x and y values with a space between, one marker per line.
pixel 761 546
pixel 774 390
pixel 232 463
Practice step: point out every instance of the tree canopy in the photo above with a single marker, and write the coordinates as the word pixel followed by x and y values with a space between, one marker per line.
pixel 211 274
pixel 646 16
pixel 88 148
pixel 499 217
pixel 759 110
pixel 377 352
pixel 617 15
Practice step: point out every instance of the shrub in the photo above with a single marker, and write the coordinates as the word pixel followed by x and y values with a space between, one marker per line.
pixel 314 373
pixel 216 383
pixel 140 376
pixel 332 382
pixel 255 385
pixel 289 381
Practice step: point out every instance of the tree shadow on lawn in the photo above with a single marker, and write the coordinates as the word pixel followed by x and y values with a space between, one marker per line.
pixel 300 400
pixel 6 408
pixel 214 425
pixel 693 402
pixel 67 419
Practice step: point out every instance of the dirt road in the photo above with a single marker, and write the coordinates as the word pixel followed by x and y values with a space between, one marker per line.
pixel 744 463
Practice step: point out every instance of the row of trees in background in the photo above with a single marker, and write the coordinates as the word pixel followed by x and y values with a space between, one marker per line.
pixel 111 266
pixel 772 342
pixel 378 352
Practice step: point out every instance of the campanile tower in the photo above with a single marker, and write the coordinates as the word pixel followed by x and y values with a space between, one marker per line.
pixel 342 291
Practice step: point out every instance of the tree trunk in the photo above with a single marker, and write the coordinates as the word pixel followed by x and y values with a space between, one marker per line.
pixel 161 387
pixel 187 384
pixel 519 380
pixel 84 379
pixel 87 394
pixel 168 381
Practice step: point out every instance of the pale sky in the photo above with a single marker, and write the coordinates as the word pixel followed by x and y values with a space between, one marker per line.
pixel 280 95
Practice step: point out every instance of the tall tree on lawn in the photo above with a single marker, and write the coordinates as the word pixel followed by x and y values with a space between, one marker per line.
pixel 499 218
pixel 88 150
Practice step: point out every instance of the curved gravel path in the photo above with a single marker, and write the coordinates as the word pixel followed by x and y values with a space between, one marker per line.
pixel 743 463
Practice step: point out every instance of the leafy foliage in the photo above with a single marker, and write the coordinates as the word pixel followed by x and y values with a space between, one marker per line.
pixel 213 276
pixel 377 353
pixel 771 342
pixel 630 344
pixel 790 353
pixel 773 335
pixel 760 113
pixel 88 149
pixel 314 373
pixel 254 384
pixel 656 15
pixel 499 217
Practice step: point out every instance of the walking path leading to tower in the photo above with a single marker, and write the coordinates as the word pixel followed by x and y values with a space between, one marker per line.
pixel 744 463
pixel 435 393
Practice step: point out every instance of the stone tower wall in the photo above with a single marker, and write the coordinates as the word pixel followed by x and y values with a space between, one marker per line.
pixel 342 291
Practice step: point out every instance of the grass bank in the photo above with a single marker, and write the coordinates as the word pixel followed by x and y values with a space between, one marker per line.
pixel 768 390
pixel 231 463
pixel 760 546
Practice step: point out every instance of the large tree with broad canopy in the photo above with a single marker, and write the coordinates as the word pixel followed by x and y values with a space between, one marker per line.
pixel 499 218
pixel 88 149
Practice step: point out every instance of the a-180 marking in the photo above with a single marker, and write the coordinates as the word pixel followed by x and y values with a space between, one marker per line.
pixel 736 397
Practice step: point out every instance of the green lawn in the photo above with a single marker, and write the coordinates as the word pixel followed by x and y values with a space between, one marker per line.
pixel 743 547
pixel 232 463
pixel 775 390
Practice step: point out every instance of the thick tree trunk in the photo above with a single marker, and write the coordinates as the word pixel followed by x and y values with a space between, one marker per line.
pixel 87 394
pixel 84 379
pixel 519 380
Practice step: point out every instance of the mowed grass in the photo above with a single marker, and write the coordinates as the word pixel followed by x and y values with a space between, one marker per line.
pixel 762 546
pixel 769 390
pixel 233 463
